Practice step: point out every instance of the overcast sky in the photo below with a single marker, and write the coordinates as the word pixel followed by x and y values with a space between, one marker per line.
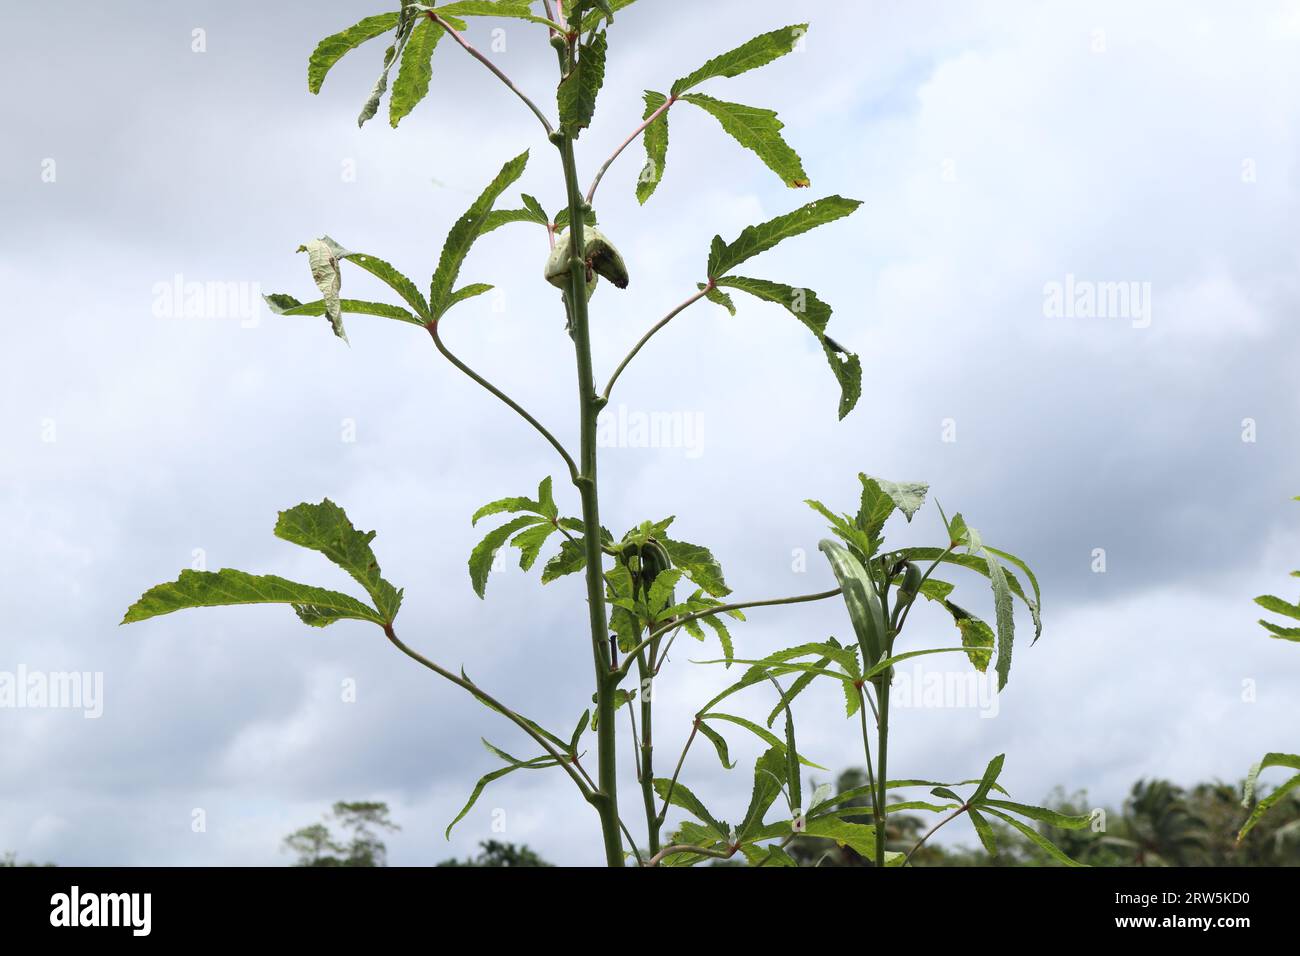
pixel 999 148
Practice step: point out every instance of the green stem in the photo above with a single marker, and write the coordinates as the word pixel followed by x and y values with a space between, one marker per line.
pixel 952 816
pixel 563 760
pixel 647 756
pixel 882 752
pixel 882 727
pixel 589 405
pixel 609 387
pixel 510 402
pixel 719 609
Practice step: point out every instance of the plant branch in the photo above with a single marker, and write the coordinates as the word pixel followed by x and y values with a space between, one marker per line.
pixel 672 784
pixel 720 609
pixel 898 626
pixel 565 760
pixel 609 387
pixel 518 409
pixel 600 174
pixel 952 816
pixel 688 848
pixel 469 48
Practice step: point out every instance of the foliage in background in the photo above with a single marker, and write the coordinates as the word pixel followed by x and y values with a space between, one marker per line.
pixel 358 844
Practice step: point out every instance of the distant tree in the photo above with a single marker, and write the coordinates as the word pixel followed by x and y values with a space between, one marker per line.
pixel 316 845
pixel 500 854
pixel 10 859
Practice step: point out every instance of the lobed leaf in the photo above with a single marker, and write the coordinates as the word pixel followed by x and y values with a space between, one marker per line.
pixel 656 146
pixel 758 130
pixel 578 90
pixel 325 527
pixel 750 55
pixel 480 559
pixel 331 49
pixel 754 240
pixel 464 233
pixel 315 606
pixel 804 305
pixel 412 83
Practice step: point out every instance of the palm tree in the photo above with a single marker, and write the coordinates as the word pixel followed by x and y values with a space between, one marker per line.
pixel 1158 827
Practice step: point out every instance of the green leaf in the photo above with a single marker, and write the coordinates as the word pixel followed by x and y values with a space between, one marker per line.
pixel 592 20
pixel 463 234
pixel 1062 821
pixel 754 240
pixel 314 606
pixel 412 83
pixel 1035 606
pixel 282 304
pixel 1270 760
pixel 991 774
pixel 769 777
pixel 984 830
pixel 1267 804
pixel 718 741
pixel 331 49
pixel 538 763
pixel 1046 845
pixel 326 528
pixel 771 739
pixel 468 292
pixel 758 130
pixel 501 217
pixel 976 636
pixel 683 798
pixel 974 563
pixel 804 305
pixel 750 55
pixel 480 559
pixel 717 297
pixel 1282 633
pixel 874 510
pixel 1275 604
pixel 884 665
pixel 907 496
pixel 858 837
pixel 660 595
pixel 572 558
pixel 395 280
pixel 656 146
pixel 1005 619
pixel 530 542
pixel 847 530
pixel 562 219
pixel 699 564
pixel 861 599
pixel 514 9
pixel 578 90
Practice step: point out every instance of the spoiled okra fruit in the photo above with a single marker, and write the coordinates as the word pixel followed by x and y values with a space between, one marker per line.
pixel 599 254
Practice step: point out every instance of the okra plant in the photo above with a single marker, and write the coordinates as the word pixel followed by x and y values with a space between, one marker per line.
pixel 645 586
pixel 1275 605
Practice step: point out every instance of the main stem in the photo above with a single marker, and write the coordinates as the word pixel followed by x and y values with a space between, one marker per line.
pixel 589 405
pixel 882 755
pixel 647 752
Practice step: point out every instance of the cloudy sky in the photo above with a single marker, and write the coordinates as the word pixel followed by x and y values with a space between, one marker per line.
pixel 999 149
